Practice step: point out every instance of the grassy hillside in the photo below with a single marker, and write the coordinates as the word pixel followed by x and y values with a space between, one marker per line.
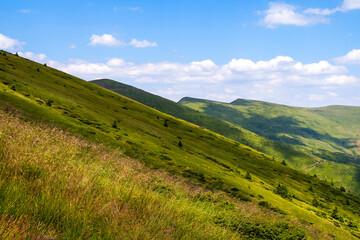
pixel 57 186
pixel 330 133
pixel 277 150
pixel 82 193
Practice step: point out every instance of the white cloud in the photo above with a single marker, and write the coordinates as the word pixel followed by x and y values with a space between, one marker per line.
pixel 142 44
pixel 33 56
pixel 116 62
pixel 340 80
pixel 319 11
pixel 8 43
pixel 285 14
pixel 105 40
pixel 72 46
pixel 350 5
pixel 332 94
pixel 352 57
pixel 110 41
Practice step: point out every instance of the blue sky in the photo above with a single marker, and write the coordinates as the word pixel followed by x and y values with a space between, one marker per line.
pixel 300 53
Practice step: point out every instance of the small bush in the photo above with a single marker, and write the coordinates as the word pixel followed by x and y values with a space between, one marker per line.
pixel 248 176
pixel 165 123
pixel 282 190
pixel 315 202
pixel 49 103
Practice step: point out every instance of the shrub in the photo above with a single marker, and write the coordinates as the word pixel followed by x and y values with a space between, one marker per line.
pixel 248 176
pixel 335 213
pixel 49 103
pixel 165 123
pixel 180 144
pixel 315 202
pixel 282 190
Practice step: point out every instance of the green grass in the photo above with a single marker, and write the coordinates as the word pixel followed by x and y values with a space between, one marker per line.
pixel 329 134
pixel 89 192
pixel 209 161
pixel 279 151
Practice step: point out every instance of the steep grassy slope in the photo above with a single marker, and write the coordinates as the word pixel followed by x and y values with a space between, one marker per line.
pixel 330 133
pixel 277 150
pixel 211 161
pixel 57 186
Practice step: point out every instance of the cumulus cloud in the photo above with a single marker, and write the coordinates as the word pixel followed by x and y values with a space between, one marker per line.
pixel 8 43
pixel 105 40
pixel 142 44
pixel 339 80
pixel 350 5
pixel 285 14
pixel 110 41
pixel 352 57
pixel 33 56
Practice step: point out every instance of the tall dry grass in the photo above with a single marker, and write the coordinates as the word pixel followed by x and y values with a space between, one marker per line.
pixel 54 185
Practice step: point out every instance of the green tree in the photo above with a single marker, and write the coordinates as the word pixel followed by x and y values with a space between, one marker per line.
pixel 114 125
pixel 180 144
pixel 284 163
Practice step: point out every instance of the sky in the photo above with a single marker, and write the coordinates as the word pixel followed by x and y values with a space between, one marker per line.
pixel 299 53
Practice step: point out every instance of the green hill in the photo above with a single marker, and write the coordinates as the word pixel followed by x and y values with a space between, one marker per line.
pixel 277 150
pixel 57 182
pixel 330 133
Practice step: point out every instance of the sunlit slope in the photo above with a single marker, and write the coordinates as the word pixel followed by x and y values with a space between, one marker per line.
pixel 44 94
pixel 277 150
pixel 330 133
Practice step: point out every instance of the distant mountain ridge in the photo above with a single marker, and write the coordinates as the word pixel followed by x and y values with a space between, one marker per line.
pixel 209 122
pixel 331 133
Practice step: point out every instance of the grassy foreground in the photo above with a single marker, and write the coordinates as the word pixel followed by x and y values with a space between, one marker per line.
pixel 56 185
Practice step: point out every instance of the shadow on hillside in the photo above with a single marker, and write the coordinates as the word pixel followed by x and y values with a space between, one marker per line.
pixel 271 128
